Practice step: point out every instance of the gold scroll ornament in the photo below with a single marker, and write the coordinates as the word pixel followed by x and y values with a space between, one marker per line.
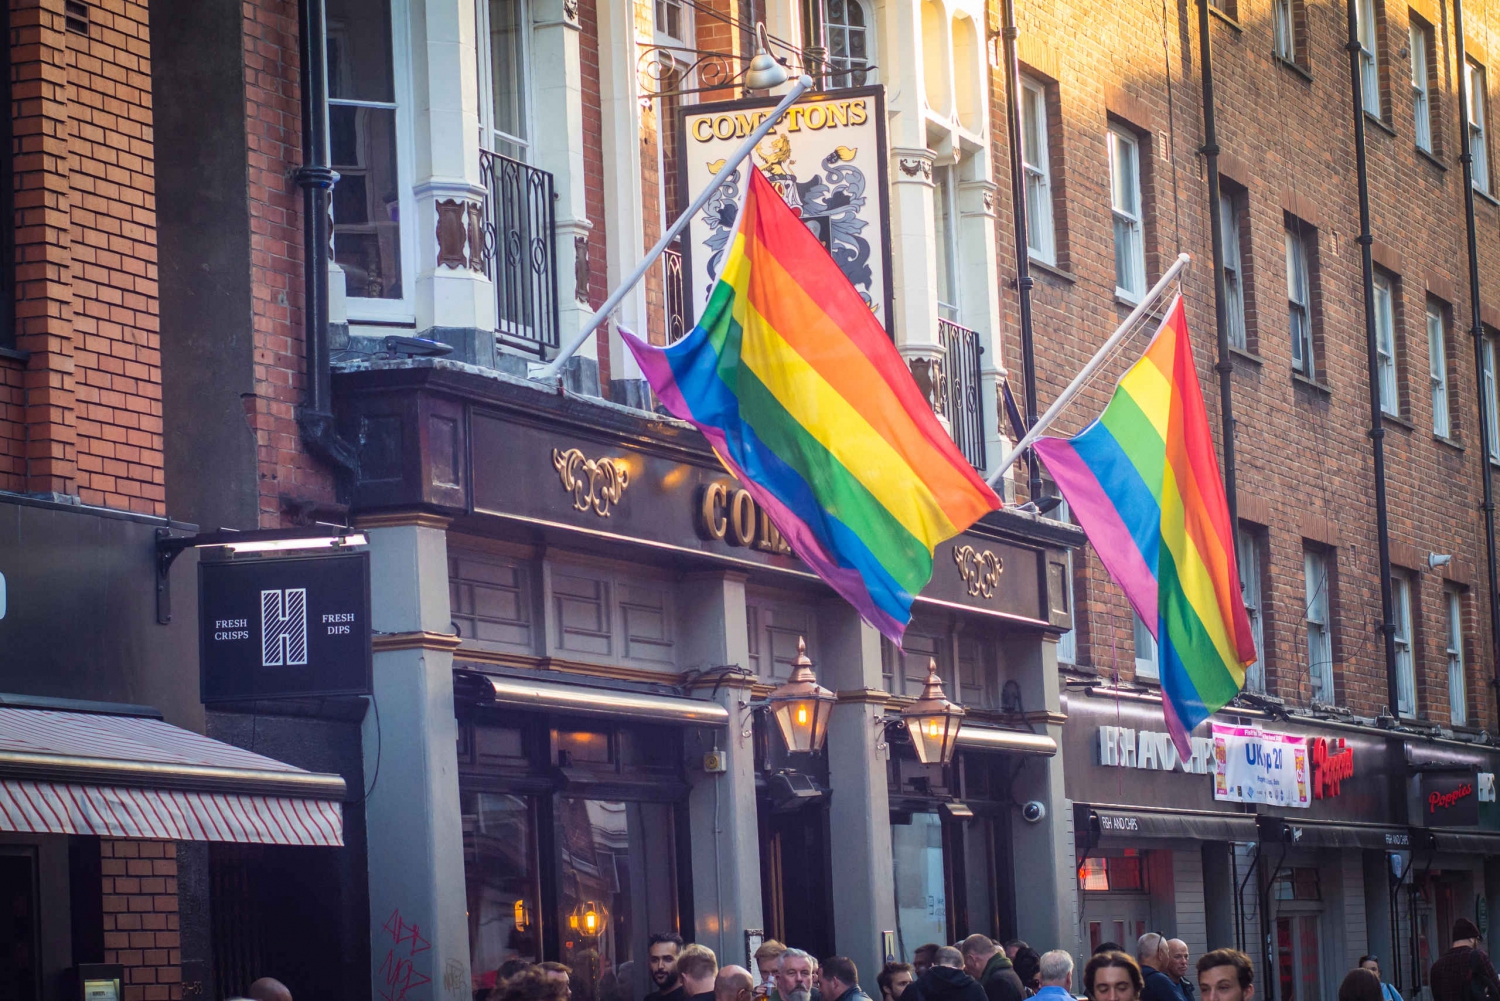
pixel 596 483
pixel 980 571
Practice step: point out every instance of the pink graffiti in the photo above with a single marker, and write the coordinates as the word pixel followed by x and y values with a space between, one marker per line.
pixel 399 971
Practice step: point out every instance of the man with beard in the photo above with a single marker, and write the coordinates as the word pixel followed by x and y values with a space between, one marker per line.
pixel 697 966
pixel 793 980
pixel 946 979
pixel 661 953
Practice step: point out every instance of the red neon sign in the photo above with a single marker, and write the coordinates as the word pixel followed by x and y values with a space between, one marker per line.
pixel 1447 800
pixel 1333 762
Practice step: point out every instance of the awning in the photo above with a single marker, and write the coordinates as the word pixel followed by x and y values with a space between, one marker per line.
pixel 1456 842
pixel 577 700
pixel 994 738
pixel 129 777
pixel 1095 823
pixel 1312 834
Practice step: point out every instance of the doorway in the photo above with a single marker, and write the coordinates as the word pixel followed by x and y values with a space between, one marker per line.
pixel 796 888
pixel 19 960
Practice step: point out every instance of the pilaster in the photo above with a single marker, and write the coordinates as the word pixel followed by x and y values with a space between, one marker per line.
pixel 979 293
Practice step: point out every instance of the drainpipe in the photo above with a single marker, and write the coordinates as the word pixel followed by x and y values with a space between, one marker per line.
pixel 316 179
pixel 1024 280
pixel 1225 366
pixel 1377 420
pixel 1476 328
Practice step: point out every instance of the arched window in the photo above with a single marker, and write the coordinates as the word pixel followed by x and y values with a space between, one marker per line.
pixel 847 26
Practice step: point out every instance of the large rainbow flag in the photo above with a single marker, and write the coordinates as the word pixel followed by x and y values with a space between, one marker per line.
pixel 1144 483
pixel 807 402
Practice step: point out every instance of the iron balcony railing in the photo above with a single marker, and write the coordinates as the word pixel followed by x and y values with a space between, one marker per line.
pixel 965 410
pixel 519 253
pixel 676 294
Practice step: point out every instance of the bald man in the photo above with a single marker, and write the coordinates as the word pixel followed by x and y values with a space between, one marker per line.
pixel 1152 953
pixel 734 983
pixel 269 989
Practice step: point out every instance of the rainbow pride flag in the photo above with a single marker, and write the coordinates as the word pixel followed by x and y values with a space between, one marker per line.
pixel 1144 483
pixel 807 402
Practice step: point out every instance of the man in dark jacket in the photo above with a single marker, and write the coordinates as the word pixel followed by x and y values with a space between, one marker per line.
pixel 1463 972
pixel 987 963
pixel 945 980
pixel 840 980
pixel 1152 953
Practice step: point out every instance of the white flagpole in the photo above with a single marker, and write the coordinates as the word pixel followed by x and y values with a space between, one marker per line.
pixel 1087 372
pixel 802 85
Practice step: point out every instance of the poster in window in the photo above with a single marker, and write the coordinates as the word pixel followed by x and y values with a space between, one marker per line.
pixel 827 157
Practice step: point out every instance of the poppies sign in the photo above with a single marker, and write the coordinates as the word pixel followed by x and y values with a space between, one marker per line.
pixel 1252 765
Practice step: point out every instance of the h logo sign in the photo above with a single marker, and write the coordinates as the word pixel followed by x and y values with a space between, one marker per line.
pixel 283 632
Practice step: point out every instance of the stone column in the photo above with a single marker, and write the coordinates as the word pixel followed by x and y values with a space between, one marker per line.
pixel 419 935
pixel 979 294
pixel 455 299
pixel 558 105
pixel 864 894
pixel 721 807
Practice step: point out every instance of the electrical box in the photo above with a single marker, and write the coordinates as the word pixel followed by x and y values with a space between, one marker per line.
pixel 715 762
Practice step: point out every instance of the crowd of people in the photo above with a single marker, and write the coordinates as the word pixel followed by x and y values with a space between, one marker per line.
pixel 978 969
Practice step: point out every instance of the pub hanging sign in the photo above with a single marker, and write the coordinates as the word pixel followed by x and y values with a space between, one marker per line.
pixel 827 158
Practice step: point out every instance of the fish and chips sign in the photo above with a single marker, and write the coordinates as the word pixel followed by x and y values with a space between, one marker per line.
pixel 827 158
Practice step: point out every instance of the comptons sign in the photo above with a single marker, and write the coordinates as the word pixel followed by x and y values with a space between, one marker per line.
pixel 827 159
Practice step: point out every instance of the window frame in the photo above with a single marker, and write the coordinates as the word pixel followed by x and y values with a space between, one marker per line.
pixel 688 38
pixel 1041 240
pixel 1229 225
pixel 1420 36
pixel 1405 643
pixel 1288 33
pixel 1387 362
pixel 1247 558
pixel 848 73
pixel 488 132
pixel 1491 395
pixel 1067 643
pixel 1318 616
pixel 1148 667
pixel 1134 220
pixel 1299 267
pixel 946 216
pixel 1370 64
pixel 1458 688
pixel 1476 118
pixel 1437 370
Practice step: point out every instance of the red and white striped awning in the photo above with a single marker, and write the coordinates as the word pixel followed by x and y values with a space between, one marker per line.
pixel 134 777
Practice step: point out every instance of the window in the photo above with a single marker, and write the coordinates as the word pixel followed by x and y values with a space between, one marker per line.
pixel 1385 346
pixel 1125 201
pixel 1041 240
pixel 1289 31
pixel 1104 874
pixel 1248 557
pixel 1478 137
pixel 1319 625
pixel 1067 643
pixel 671 20
pixel 1437 359
pixel 1298 967
pixel 1369 57
pixel 1458 698
pixel 1297 883
pixel 1299 302
pixel 1234 277
pixel 1491 398
pixel 848 35
pixel 508 125
pixel 921 894
pixel 1421 38
pixel 1145 651
pixel 362 146
pixel 945 215
pixel 1406 672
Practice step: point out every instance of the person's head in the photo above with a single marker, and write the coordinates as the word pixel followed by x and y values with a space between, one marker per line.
pixel 977 950
pixel 794 975
pixel 1371 963
pixel 697 966
pixel 1225 975
pixel 1112 976
pixel 1056 969
pixel 1028 962
pixel 733 983
pixel 1014 946
pixel 1103 947
pixel 558 972
pixel 1360 985
pixel 1151 950
pixel 894 979
pixel 766 958
pixel 1177 958
pixel 948 956
pixel 510 968
pixel 531 984
pixel 1464 933
pixel 838 974
pixel 268 989
pixel 661 952
pixel 921 960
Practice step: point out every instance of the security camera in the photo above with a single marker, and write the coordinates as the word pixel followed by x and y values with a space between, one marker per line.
pixel 1033 811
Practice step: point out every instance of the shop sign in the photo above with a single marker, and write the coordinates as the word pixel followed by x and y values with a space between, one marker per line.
pixel 1124 747
pixel 1252 765
pixel 1450 800
pixel 1333 762
pixel 284 628
pixel 727 513
pixel 827 159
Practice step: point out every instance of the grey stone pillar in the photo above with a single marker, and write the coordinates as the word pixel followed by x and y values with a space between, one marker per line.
pixel 864 894
pixel 721 808
pixel 419 935
pixel 1218 896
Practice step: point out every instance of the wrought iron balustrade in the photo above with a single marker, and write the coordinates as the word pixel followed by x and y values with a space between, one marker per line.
pixel 961 349
pixel 675 294
pixel 519 252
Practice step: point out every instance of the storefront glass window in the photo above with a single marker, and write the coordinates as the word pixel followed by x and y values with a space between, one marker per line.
pixel 979 877
pixel 501 872
pixel 921 897
pixel 1297 958
pixel 615 886
pixel 1300 883
pixel 1100 874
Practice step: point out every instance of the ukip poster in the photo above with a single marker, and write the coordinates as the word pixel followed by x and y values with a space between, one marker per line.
pixel 1252 765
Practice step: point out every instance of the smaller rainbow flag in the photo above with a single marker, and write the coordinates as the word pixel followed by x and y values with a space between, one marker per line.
pixel 1143 481
pixel 808 403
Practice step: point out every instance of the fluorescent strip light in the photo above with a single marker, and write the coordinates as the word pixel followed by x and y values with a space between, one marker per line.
pixel 324 542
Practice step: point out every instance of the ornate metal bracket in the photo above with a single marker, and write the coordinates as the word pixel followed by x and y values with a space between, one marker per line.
pixel 596 483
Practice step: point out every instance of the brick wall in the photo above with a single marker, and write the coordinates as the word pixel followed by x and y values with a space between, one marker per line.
pixel 593 172
pixel 1304 452
pixel 140 917
pixel 82 415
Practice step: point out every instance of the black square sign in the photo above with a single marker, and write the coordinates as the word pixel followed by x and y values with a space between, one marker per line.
pixel 276 628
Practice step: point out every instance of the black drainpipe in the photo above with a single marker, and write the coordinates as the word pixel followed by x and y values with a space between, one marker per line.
pixel 316 178
pixel 1023 255
pixel 1225 366
pixel 1377 420
pixel 1476 328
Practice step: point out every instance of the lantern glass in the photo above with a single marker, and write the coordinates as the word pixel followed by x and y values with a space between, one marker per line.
pixel 801 707
pixel 933 722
